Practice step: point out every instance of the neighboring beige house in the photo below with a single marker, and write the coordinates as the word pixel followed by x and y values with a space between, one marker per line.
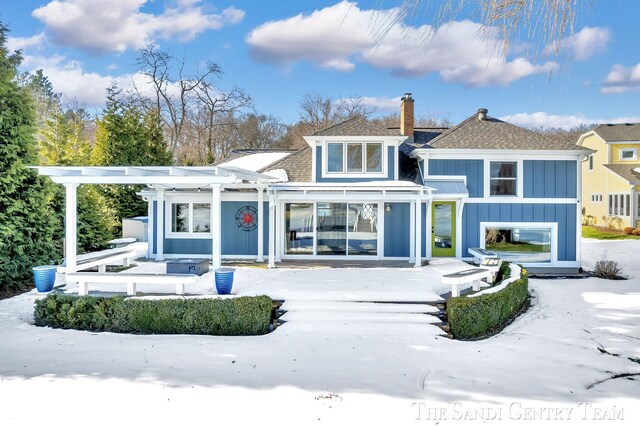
pixel 611 175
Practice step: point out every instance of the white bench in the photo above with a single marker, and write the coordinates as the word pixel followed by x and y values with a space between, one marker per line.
pixel 84 278
pixel 102 260
pixel 480 254
pixel 463 278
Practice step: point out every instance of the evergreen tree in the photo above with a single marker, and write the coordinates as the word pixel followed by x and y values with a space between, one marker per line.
pixel 27 221
pixel 126 135
pixel 64 143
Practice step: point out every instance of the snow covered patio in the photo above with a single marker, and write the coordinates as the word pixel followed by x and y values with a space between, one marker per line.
pixel 339 360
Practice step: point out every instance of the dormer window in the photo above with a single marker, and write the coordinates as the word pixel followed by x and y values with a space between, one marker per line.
pixel 354 157
pixel 628 154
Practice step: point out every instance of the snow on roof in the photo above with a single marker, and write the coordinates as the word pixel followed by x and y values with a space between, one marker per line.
pixel 255 162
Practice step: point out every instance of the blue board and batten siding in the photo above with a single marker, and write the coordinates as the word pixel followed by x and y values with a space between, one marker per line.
pixel 235 241
pixel 391 168
pixel 472 169
pixel 562 214
pixel 550 179
pixel 397 228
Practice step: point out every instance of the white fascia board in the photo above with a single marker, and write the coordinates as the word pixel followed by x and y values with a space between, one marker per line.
pixel 311 140
pixel 426 153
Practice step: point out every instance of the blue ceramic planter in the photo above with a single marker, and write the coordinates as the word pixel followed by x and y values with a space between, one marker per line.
pixel 224 280
pixel 44 277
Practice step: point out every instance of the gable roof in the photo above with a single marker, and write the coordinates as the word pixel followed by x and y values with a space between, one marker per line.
pixel 358 126
pixel 297 166
pixel 629 172
pixel 619 132
pixel 492 133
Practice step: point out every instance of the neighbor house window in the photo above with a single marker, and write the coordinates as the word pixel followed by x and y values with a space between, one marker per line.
pixel 591 162
pixel 619 205
pixel 503 178
pixel 629 154
pixel 596 198
pixel 190 218
pixel 354 157
pixel 519 244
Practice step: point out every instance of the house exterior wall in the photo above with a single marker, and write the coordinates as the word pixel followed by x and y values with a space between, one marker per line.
pixel 550 179
pixel 563 214
pixel 390 162
pixel 397 227
pixel 472 169
pixel 602 181
pixel 235 241
pixel 615 152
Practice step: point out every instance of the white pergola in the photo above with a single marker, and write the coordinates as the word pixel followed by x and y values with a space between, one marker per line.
pixel 159 178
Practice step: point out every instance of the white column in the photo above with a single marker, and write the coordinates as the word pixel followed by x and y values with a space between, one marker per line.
pixel 70 226
pixel 278 231
pixel 160 225
pixel 150 225
pixel 216 230
pixel 272 230
pixel 418 203
pixel 412 232
pixel 260 225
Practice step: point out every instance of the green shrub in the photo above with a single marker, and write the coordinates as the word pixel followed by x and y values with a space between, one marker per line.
pixel 223 317
pixel 473 317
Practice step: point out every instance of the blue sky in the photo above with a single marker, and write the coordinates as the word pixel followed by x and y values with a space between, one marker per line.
pixel 279 50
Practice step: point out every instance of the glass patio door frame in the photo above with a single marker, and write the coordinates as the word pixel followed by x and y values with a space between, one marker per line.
pixel 439 251
pixel 281 239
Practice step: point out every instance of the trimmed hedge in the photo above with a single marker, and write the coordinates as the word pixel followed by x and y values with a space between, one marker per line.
pixel 221 317
pixel 474 317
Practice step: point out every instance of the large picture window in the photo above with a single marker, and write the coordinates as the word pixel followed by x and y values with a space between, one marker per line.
pixel 521 244
pixel 354 157
pixel 190 218
pixel 619 204
pixel 503 178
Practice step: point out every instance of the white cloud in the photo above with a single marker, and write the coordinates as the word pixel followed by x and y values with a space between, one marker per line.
pixel 22 43
pixel 343 35
pixel 538 120
pixel 583 44
pixel 381 102
pixel 101 26
pixel 621 79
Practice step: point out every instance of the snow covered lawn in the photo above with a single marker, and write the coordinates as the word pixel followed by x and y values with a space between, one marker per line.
pixel 338 360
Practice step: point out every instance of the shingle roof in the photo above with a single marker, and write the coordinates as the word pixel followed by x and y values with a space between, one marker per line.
pixel 424 135
pixel 619 132
pixel 297 165
pixel 626 171
pixel 358 126
pixel 492 133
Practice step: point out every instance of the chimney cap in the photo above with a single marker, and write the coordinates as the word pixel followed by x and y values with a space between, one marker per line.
pixel 407 97
pixel 482 113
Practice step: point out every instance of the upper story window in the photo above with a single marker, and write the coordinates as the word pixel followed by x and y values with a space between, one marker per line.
pixel 190 218
pixel 503 179
pixel 591 162
pixel 354 157
pixel 628 154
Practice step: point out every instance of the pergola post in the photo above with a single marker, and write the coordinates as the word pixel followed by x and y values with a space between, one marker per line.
pixel 160 225
pixel 260 224
pixel 150 225
pixel 216 216
pixel 418 228
pixel 70 226
pixel 272 230
pixel 412 232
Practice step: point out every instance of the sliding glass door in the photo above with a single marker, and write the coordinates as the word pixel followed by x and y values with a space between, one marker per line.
pixel 341 229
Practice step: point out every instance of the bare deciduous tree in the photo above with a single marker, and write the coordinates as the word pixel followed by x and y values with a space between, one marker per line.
pixel 320 112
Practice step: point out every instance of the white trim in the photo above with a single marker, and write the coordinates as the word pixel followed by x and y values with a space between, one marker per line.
pixel 536 225
pixel 418 262
pixel 633 150
pixel 428 235
pixel 260 257
pixel 272 229
pixel 579 205
pixel 520 200
pixel 477 154
pixel 150 225
pixel 519 178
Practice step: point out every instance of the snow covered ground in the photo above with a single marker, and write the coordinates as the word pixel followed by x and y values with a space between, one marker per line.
pixel 340 361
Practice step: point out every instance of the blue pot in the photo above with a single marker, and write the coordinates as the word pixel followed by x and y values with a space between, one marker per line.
pixel 224 280
pixel 44 277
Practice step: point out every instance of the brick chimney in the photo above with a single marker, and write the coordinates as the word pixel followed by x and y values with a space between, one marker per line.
pixel 406 115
